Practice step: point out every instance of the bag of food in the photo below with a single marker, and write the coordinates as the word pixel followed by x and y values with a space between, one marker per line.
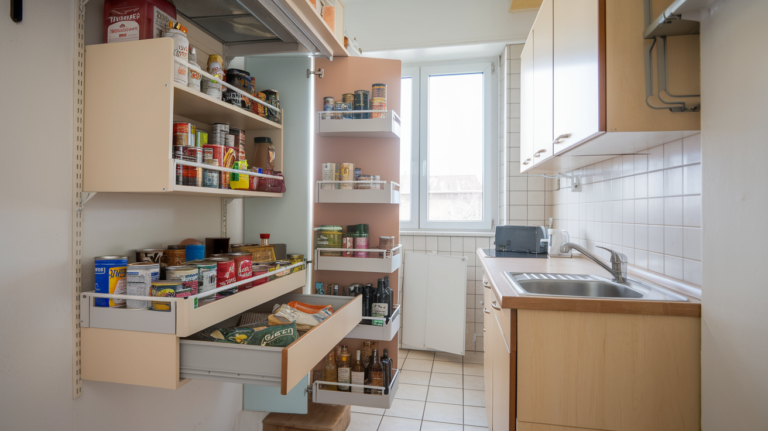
pixel 309 308
pixel 259 334
pixel 283 314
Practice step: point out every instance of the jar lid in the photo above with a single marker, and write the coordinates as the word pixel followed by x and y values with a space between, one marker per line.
pixel 238 71
pixel 264 235
pixel 177 247
pixel 329 227
pixel 261 140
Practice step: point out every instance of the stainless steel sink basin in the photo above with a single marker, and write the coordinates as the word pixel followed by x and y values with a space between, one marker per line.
pixel 587 286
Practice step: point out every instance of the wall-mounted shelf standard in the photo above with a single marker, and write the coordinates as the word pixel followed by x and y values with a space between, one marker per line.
pixel 383 401
pixel 383 332
pixel 329 123
pixel 389 263
pixel 388 193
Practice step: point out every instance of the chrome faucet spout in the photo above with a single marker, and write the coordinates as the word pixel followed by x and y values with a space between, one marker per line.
pixel 618 266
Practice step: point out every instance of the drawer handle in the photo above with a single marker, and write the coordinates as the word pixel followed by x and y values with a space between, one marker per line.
pixel 486 285
pixel 495 305
pixel 527 161
pixel 561 138
pixel 538 153
pixel 486 311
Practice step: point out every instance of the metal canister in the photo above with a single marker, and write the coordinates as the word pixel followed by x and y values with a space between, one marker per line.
pixel 232 97
pixel 192 176
pixel 329 174
pixel 211 87
pixel 260 269
pixel 219 135
pixel 164 288
pixel 364 186
pixel 181 51
pixel 175 255
pixel 210 176
pixel 154 255
pixel 328 236
pixel 339 106
pixel 261 110
pixel 346 173
pixel 206 274
pixel 184 134
pixel 110 278
pixel 242 80
pixel 348 98
pixel 281 268
pixel 294 259
pixel 201 138
pixel 187 274
pixel 226 273
pixel 193 80
pixel 362 103
pixel 379 90
pixel 379 104
pixel 140 276
pixel 273 98
pixel 243 268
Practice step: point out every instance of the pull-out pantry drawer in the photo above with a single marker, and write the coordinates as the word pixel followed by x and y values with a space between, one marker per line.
pixel 166 361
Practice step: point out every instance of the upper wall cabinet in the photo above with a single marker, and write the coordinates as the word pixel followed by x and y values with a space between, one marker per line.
pixel 584 85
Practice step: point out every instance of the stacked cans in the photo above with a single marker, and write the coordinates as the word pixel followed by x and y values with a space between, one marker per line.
pixel 187 147
pixel 379 100
pixel 362 103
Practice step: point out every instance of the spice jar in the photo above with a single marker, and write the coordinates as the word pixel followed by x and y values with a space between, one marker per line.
pixel 361 240
pixel 264 238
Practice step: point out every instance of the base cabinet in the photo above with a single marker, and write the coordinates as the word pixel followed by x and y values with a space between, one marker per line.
pixel 527 426
pixel 501 381
pixel 490 330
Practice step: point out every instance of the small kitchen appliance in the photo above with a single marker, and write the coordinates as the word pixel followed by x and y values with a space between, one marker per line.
pixel 519 242
pixel 557 238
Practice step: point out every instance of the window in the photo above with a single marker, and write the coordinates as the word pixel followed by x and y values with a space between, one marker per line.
pixel 445 148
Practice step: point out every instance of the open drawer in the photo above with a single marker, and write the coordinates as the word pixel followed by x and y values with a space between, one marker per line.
pixel 165 361
pixel 383 401
pixel 385 332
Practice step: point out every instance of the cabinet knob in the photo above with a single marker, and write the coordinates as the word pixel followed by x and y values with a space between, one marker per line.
pixel 486 311
pixel 561 138
pixel 538 153
pixel 495 305
pixel 527 161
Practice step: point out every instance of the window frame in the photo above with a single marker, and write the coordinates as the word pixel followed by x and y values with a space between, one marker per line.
pixel 420 146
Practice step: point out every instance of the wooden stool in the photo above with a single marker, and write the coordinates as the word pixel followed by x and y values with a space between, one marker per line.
pixel 321 417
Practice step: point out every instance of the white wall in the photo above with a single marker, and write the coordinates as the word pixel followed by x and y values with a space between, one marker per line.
pixel 735 149
pixel 400 24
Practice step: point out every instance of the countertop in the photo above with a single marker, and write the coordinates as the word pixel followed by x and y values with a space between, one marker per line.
pixel 509 298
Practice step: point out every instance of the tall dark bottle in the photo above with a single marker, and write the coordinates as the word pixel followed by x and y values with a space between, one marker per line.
pixel 391 296
pixel 386 363
pixel 380 306
pixel 368 299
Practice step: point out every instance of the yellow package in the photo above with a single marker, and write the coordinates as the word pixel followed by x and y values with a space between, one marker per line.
pixel 239 181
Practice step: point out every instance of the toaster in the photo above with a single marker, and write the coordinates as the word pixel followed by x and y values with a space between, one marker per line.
pixel 522 239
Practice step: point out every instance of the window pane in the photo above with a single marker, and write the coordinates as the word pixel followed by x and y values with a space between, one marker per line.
pixel 406 103
pixel 455 148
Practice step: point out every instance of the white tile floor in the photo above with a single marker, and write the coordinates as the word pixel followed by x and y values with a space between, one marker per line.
pixel 432 387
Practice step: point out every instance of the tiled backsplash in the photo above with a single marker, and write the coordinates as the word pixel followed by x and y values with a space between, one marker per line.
pixel 456 246
pixel 647 206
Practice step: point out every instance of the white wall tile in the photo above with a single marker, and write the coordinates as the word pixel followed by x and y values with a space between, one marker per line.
pixel 656 211
pixel 443 243
pixel 692 180
pixel 536 198
pixel 518 198
pixel 407 242
pixel 431 243
pixel 673 154
pixel 673 182
pixel 692 271
pixel 692 149
pixel 656 262
pixel 483 242
pixel 692 211
pixel 641 163
pixel 641 258
pixel 656 239
pixel 535 212
pixel 628 211
pixel 641 211
pixel 628 187
pixel 419 243
pixel 655 158
pixel 641 237
pixel 673 211
pixel 627 165
pixel 628 235
pixel 469 244
pixel 517 212
pixel 673 267
pixel 518 183
pixel 656 184
pixel 536 183
pixel 641 186
pixel 692 243
pixel 673 241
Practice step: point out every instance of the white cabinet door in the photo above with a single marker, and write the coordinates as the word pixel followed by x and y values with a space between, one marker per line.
pixel 489 331
pixel 526 105
pixel 543 83
pixel 579 72
pixel 434 302
pixel 501 382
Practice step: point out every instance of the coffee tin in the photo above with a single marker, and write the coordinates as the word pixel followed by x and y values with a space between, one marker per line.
pixel 243 268
pixel 226 273
pixel 110 278
pixel 346 173
pixel 164 288
pixel 186 273
pixel 140 276
pixel 206 275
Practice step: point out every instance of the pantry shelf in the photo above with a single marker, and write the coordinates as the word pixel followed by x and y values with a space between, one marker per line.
pixel 385 332
pixel 328 123
pixel 383 401
pixel 385 265
pixel 198 106
pixel 389 193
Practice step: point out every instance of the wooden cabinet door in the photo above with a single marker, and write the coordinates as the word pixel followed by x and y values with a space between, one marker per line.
pixel 501 381
pixel 489 325
pixel 543 110
pixel 579 72
pixel 526 105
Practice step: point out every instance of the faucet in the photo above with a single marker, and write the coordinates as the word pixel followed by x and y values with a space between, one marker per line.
pixel 618 266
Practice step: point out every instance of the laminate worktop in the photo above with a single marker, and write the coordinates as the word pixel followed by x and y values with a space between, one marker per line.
pixel 509 298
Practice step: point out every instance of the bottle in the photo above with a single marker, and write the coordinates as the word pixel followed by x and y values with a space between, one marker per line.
pixel 386 363
pixel 380 307
pixel 377 373
pixel 264 238
pixel 367 300
pixel 391 307
pixel 358 375
pixel 344 369
pixel 329 372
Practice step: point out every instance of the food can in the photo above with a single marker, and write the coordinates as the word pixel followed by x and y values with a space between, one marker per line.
pixel 377 186
pixel 329 174
pixel 186 274
pixel 386 243
pixel 338 107
pixel 243 268
pixel 226 273
pixel 184 134
pixel 229 141
pixel 294 259
pixel 242 80
pixel 273 98
pixel 211 87
pixel 210 176
pixel 192 176
pixel 140 276
pixel 328 236
pixel 220 132
pixel 215 68
pixel 281 268
pixel 361 242
pixel 362 103
pixel 379 91
pixel 348 98
pixel 261 110
pixel 206 274
pixel 226 157
pixel 181 51
pixel 346 172
pixel 175 255
pixel 232 97
pixel 201 138
pixel 195 252
pixel 379 104
pixel 239 181
pixel 328 104
pixel 364 186
pixel 358 172
pixel 347 243
pixel 110 278
pixel 154 255
pixel 260 269
pixel 193 80
pixel 164 288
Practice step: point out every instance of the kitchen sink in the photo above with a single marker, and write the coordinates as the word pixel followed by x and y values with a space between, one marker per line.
pixel 587 286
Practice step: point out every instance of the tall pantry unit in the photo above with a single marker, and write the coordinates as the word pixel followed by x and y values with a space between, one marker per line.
pixel 129 111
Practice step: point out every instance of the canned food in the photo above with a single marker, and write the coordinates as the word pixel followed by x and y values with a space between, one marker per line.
pixel 110 278
pixel 364 186
pixel 273 98
pixel 261 110
pixel 281 268
pixel 232 97
pixel 243 268
pixel 362 103
pixel 180 50
pixel 260 269
pixel 164 288
pixel 379 104
pixel 294 259
pixel 149 255
pixel 346 172
pixel 226 273
pixel 210 176
pixel 193 80
pixel 220 131
pixel 348 98
pixel 201 138
pixel 328 103
pixel 379 91
pixel 206 275
pixel 242 80
pixel 186 274
pixel 225 156
pixel 328 236
pixel 184 134
pixel 140 276
pixel 192 176
pixel 175 255
pixel 211 87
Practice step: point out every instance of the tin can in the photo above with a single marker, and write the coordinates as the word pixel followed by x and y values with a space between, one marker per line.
pixel 294 259
pixel 261 110
pixel 140 276
pixel 201 138
pixel 243 268
pixel 210 176
pixel 186 274
pixel 242 80
pixel 110 278
pixel 239 181
pixel 164 288
pixel 195 252
pixel 348 98
pixel 379 104
pixel 193 80
pixel 379 90
pixel 281 268
pixel 154 255
pixel 273 98
pixel 358 172
pixel 211 87
pixel 253 181
pixel 377 186
pixel 328 236
pixel 175 255
pixel 347 108
pixel 329 174
pixel 206 274
pixel 346 172
pixel 226 273
pixel 181 51
pixel 361 242
pixel 364 186
pixel 192 176
pixel 347 243
pixel 362 103
pixel 232 97
pixel 260 269
pixel 225 156
pixel 184 134
pixel 220 132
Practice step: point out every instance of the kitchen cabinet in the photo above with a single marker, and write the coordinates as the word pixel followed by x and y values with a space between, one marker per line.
pixel 502 398
pixel 489 330
pixel 598 86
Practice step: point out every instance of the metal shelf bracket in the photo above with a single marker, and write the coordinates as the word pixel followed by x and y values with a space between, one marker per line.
pixel 84 197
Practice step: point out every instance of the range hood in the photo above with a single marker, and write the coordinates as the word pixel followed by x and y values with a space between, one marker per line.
pixel 251 27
